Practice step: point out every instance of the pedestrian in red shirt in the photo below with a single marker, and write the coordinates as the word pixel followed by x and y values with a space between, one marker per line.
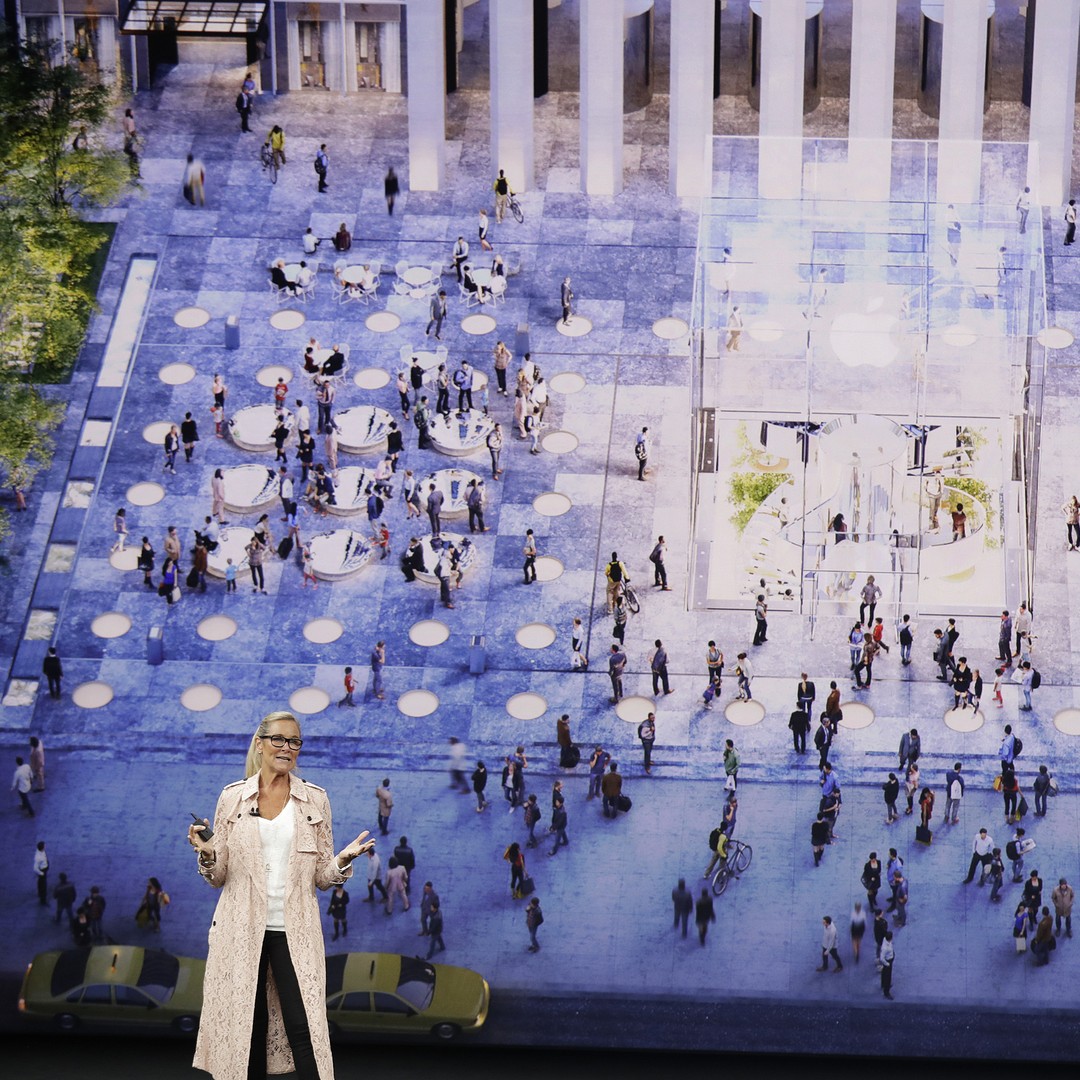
pixel 350 689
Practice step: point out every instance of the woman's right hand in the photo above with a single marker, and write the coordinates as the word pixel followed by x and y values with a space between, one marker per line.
pixel 201 846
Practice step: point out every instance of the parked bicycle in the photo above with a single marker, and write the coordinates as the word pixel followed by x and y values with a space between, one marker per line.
pixel 738 860
pixel 269 161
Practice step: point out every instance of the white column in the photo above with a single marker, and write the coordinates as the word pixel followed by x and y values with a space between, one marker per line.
pixel 510 31
pixel 426 61
pixel 601 96
pixel 690 110
pixel 1053 105
pixel 870 119
pixel 783 38
pixel 963 78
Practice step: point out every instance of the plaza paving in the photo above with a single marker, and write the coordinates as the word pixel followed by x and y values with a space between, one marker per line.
pixel 631 259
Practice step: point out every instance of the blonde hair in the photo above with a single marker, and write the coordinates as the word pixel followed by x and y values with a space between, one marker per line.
pixel 252 763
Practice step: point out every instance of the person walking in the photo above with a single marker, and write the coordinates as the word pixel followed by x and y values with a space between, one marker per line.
pixel 880 928
pixel 172 447
pixel 683 901
pixel 658 664
pixel 534 919
pixel 732 761
pixel 858 929
pixel 566 296
pixel 870 595
pixel 1023 206
pixel 350 689
pixel 761 624
pixel 438 314
pixel 886 957
pixel 616 667
pixel 20 784
pixel 799 724
pixel 194 187
pixel 819 837
pixel 53 669
pixel 494 443
pixel 828 946
pixel 734 329
pixel 869 654
pixel 64 894
pixel 532 817
pixel 428 899
pixel 94 906
pixel 385 805
pixel 435 929
pixel 641 452
pixel 397 884
pixel 616 575
pixel 374 876
pixel 502 190
pixel 996 874
pixel 907 639
pixel 646 732
pixel 982 855
pixel 479 784
pixel 391 189
pixel 871 880
pixel 378 662
pixel 189 435
pixel 338 910
pixel 1043 944
pixel 322 166
pixel 893 869
pixel 891 789
pixel 243 107
pixel 41 873
pixel 514 856
pixel 1062 897
pixel 704 913
pixel 1041 787
pixel 558 824
pixel 1070 222
pixel 529 551
pixel 901 895
pixel 656 557
pixel 1015 850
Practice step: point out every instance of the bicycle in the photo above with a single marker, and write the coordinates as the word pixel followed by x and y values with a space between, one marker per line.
pixel 269 161
pixel 738 860
pixel 515 208
pixel 631 598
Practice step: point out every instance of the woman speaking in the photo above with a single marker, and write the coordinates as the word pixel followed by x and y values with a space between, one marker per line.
pixel 264 1005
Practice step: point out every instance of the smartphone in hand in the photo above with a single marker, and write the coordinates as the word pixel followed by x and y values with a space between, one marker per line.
pixel 205 832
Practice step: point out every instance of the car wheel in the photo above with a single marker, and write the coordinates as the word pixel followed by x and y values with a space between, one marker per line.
pixel 446 1032
pixel 186 1024
pixel 67 1022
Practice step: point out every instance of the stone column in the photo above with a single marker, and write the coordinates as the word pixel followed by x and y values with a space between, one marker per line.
pixel 783 42
pixel 510 32
pixel 426 65
pixel 870 120
pixel 691 108
pixel 963 79
pixel 601 104
pixel 1053 105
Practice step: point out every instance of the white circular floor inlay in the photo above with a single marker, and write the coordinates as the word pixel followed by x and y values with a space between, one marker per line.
pixel 856 715
pixel 548 568
pixel 201 697
pixel 191 317
pixel 1054 337
pixel 176 374
pixel 146 493
pixel 308 700
pixel 477 324
pixel 765 330
pixel 635 708
pixel 323 631
pixel 744 713
pixel 1068 721
pixel 112 624
pixel 268 376
pixel 670 328
pixel 578 326
pixel 92 695
pixel 127 559
pixel 417 703
pixel 559 442
pixel 371 378
pixel 428 632
pixel 526 706
pixel 964 719
pixel 216 628
pixel 959 336
pixel 382 322
pixel 552 504
pixel 567 382
pixel 155 433
pixel 535 635
pixel 287 320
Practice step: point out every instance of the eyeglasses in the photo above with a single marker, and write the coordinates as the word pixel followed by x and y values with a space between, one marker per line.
pixel 279 741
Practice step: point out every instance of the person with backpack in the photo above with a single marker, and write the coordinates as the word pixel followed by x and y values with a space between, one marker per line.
pixel 534 919
pixel 502 196
pixel 532 816
pixel 646 732
pixel 656 557
pixel 1007 750
pixel 616 575
pixel 1029 679
pixel 906 640
pixel 1015 850
pixel 322 166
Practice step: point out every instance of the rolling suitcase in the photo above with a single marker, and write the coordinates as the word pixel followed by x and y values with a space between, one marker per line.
pixel 284 549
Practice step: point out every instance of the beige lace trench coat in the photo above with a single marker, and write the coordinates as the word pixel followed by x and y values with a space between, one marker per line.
pixel 236 934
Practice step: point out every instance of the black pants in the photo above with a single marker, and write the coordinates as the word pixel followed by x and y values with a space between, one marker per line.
pixel 257 579
pixel 275 956
pixel 886 980
pixel 862 614
pixel 660 574
pixel 798 739
pixel 760 630
pixel 376 884
pixel 500 374
pixel 54 685
pixel 660 676
pixel 464 400
pixel 476 519
pixel 43 889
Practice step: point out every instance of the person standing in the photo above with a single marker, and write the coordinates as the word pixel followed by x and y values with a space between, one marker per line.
pixel 901 896
pixel 529 551
pixel 819 837
pixel 891 788
pixel 378 662
pixel 534 919
pixel 656 557
pixel 495 445
pixel 982 849
pixel 503 357
pixel 1071 510
pixel 482 230
pixel 189 435
pixel 53 670
pixel 1041 787
pixel 611 789
pixel 646 732
pixel 799 723
pixel 658 663
pixel 828 946
pixel 95 905
pixel 1023 206
pixel 683 900
pixel 41 873
pixel 434 508
pixel 502 195
pixel 886 957
pixel 397 884
pixel 761 624
pixel 616 667
pixel 474 500
pixel 438 313
pixel 870 595
pixel 350 688
pixel 869 654
pixel 435 930
pixel 386 805
pixel 641 452
pixel 20 783
pixel 243 107
pixel 566 295
pixel 734 330
pixel 893 869
pixel 265 884
pixel 1070 222
pixel 858 929
pixel 172 447
pixel 823 740
pixel 558 824
pixel 907 639
pixel 954 792
pixel 322 166
pixel 1005 639
pixel 871 880
pixel 479 783
pixel 597 765
pixel 714 663
pixel 1043 941
pixel 996 873
pixel 64 894
pixel 391 189
pixel 459 254
pixel 1062 897
pixel 704 913
pixel 1022 628
pixel 428 899
pixel 732 761
pixel 338 910
pixel 406 857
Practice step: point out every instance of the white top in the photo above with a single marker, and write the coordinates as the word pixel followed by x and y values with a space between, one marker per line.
pixel 277 841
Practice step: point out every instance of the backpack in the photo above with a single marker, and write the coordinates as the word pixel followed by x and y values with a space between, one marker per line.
pixel 459 378
pixel 615 571
pixel 714 838
pixel 1010 849
pixel 1036 680
pixel 654 556
pixel 640 450
pixel 1018 744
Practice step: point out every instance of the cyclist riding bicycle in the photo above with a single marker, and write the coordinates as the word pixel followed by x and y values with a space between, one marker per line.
pixel 718 845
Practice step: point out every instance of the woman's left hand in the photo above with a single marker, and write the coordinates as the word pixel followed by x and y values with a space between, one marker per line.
pixel 358 847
